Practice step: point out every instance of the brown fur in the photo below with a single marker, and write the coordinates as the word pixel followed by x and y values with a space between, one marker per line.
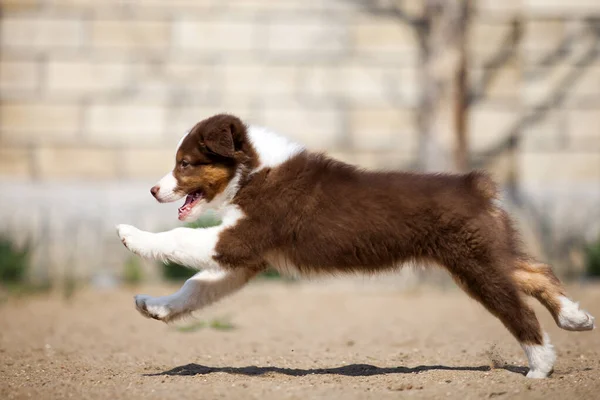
pixel 324 216
pixel 538 280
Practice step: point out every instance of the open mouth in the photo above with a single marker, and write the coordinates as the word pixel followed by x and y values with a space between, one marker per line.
pixel 190 201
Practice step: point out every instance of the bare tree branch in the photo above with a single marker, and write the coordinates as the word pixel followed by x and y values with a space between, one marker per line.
pixel 541 110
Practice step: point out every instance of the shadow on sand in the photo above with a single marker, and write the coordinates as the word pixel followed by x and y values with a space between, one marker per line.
pixel 346 370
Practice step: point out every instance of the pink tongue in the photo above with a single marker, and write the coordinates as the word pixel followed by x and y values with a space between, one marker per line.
pixel 188 200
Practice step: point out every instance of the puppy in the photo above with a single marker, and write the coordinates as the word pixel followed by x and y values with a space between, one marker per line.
pixel 305 213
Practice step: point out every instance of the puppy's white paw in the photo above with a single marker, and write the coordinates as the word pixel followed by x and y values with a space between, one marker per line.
pixel 572 318
pixel 533 374
pixel 151 307
pixel 135 240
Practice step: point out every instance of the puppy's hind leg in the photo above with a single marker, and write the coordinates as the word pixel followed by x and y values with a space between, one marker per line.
pixel 538 280
pixel 495 290
pixel 202 289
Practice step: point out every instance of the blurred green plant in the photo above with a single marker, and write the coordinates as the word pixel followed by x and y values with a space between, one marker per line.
pixel 133 273
pixel 219 324
pixel 273 274
pixel 14 262
pixel 176 272
pixel 206 221
pixel 592 259
pixel 194 327
pixel 70 286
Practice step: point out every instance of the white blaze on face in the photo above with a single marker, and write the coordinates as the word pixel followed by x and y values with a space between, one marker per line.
pixel 168 184
pixel 168 189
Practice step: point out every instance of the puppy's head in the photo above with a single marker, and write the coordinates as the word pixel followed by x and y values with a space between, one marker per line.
pixel 205 163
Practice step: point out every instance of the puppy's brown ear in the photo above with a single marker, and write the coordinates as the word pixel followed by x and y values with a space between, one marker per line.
pixel 225 138
pixel 220 142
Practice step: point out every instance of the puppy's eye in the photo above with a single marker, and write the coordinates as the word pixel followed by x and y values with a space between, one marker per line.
pixel 184 164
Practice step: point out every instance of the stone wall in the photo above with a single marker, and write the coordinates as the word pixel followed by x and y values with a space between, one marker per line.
pixel 100 91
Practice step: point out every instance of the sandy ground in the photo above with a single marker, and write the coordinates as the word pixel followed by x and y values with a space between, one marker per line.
pixel 291 341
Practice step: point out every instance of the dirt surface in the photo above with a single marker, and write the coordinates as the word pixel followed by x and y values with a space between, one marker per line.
pixel 290 341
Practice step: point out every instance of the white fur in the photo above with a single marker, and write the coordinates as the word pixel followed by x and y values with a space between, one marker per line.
pixel 167 189
pixel 194 248
pixel 572 318
pixel 541 358
pixel 202 289
pixel 272 149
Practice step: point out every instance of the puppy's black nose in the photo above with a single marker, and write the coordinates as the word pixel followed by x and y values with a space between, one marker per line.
pixel 155 190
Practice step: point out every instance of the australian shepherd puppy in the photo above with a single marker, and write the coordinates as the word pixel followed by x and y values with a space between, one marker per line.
pixel 297 211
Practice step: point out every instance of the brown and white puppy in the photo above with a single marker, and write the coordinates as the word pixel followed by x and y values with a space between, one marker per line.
pixel 302 212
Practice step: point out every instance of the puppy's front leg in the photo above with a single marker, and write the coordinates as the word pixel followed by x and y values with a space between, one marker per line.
pixel 202 289
pixel 193 248
pixel 139 242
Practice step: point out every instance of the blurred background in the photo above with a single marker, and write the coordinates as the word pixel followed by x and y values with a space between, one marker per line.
pixel 94 96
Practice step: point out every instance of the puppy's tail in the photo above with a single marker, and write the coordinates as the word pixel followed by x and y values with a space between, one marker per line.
pixel 483 184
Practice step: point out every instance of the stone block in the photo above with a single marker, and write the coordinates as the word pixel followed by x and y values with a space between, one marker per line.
pixel 586 87
pixel 363 84
pixel 42 34
pixel 383 160
pixel 126 6
pixel 76 163
pixel 497 83
pixel 301 38
pixel 258 79
pixel 385 128
pixel 546 134
pixel 19 76
pixel 583 130
pixel 486 40
pixel 561 8
pixel 86 77
pixel 213 35
pixel 183 82
pixel 138 124
pixel 8 6
pixel 366 84
pixel 541 85
pixel 15 163
pixel 559 168
pixel 147 163
pixel 495 8
pixel 489 126
pixel 33 122
pixel 182 119
pixel 318 129
pixel 261 6
pixel 383 35
pixel 319 80
pixel 542 35
pixel 130 34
